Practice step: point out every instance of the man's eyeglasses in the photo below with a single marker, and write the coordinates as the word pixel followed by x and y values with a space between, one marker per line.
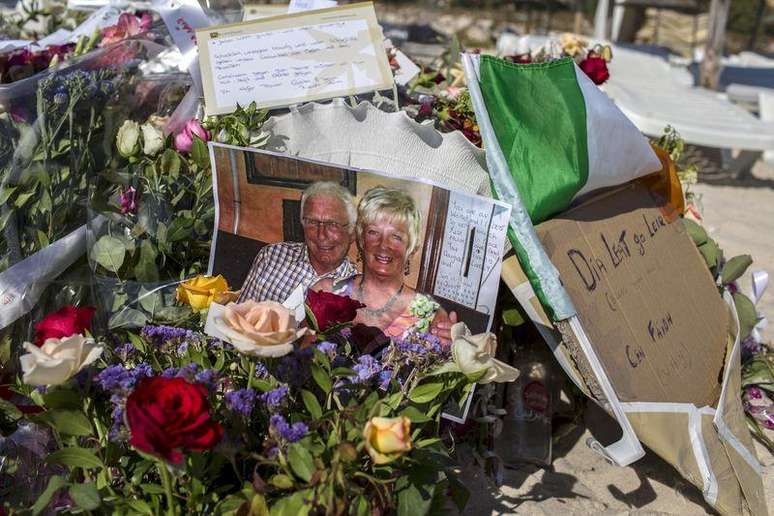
pixel 329 225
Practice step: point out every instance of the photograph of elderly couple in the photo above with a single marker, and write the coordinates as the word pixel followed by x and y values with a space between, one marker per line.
pixel 284 222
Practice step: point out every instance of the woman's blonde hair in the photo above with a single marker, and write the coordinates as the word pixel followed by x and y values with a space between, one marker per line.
pixel 396 206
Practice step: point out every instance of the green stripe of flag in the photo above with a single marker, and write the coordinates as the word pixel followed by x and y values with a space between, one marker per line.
pixel 538 113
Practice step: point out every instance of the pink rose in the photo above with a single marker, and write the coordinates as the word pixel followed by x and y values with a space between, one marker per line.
pixel 184 139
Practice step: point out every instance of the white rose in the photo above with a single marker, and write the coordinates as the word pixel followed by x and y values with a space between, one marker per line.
pixel 474 354
pixel 152 139
pixel 57 360
pixel 128 139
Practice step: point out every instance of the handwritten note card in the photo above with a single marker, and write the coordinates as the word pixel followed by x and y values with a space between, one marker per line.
pixel 295 58
pixel 472 250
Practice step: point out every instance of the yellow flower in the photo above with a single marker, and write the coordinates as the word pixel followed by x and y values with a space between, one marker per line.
pixel 200 291
pixel 265 329
pixel 571 44
pixel 387 438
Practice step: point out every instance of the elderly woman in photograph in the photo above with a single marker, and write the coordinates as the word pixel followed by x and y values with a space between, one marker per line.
pixel 387 236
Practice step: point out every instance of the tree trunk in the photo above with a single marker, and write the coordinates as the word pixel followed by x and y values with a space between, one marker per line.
pixel 709 76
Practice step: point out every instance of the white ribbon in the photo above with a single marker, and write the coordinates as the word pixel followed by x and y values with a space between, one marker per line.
pixel 759 281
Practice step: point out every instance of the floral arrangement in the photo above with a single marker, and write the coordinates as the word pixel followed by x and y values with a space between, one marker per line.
pixel 593 61
pixel 287 420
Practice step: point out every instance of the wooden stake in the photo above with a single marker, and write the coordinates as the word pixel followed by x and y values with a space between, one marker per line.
pixel 709 75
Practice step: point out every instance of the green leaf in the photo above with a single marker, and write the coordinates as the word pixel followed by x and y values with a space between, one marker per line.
pixel 312 405
pixel 513 317
pixel 129 318
pixel 9 415
pixel 169 163
pixel 426 392
pixel 735 267
pixel 281 481
pixel 301 461
pixel 748 316
pixel 321 378
pixel 6 192
pixel 137 341
pixel 199 153
pixel 140 506
pixel 146 270
pixel 180 229
pixel 695 231
pixel 60 398
pixel 54 484
pixel 70 422
pixel 151 302
pixel 415 492
pixel 293 505
pixel 152 489
pixel 414 415
pixel 109 252
pixel 75 457
pixel 22 198
pixel 5 217
pixel 711 253
pixel 343 371
pixel 85 496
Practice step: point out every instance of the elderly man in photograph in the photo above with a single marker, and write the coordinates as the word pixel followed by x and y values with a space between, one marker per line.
pixel 328 216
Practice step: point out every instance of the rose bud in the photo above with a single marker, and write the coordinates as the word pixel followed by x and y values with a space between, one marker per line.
pixel 128 139
pixel 152 139
pixel 68 320
pixel 386 438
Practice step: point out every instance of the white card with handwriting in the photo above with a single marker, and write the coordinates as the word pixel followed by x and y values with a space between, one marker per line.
pixel 295 58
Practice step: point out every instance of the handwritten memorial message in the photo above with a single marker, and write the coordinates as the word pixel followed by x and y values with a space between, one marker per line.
pixel 644 296
pixel 290 59
pixel 474 237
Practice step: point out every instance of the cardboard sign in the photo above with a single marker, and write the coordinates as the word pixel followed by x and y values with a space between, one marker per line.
pixel 644 295
pixel 294 58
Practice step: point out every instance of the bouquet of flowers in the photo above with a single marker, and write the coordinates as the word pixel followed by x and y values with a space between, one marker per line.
pixel 285 420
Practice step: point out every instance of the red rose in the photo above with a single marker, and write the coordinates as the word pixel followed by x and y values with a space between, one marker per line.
pixel 330 309
pixel 166 415
pixel 67 321
pixel 596 68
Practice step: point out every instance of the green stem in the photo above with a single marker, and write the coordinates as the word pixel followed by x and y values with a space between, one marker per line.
pixel 166 482
pixel 251 375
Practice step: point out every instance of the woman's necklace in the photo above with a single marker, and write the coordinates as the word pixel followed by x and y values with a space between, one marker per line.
pixel 379 311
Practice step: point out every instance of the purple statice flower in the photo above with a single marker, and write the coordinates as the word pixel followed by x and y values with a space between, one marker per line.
pixel 241 401
pixel 116 430
pixel 188 371
pixel 161 334
pixel 115 377
pixel 327 347
pixel 207 377
pixel 273 451
pixel 182 348
pixel 294 369
pixel 260 370
pixel 125 349
pixel 169 372
pixel 274 397
pixel 141 371
pixel 366 367
pixel 385 376
pixel 291 433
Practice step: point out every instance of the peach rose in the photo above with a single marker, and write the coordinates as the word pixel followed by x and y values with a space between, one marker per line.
pixel 265 329
pixel 387 438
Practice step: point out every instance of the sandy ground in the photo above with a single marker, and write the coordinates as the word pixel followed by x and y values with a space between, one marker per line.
pixel 740 216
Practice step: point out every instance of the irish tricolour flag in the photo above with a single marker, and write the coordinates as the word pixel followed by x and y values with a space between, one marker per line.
pixel 561 136
pixel 550 136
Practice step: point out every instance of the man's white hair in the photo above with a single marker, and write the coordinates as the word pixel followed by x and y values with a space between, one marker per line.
pixel 333 190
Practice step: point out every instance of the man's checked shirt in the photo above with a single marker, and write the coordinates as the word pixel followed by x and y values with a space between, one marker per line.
pixel 279 268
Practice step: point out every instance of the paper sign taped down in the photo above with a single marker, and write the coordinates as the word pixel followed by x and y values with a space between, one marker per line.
pixel 644 295
pixel 285 60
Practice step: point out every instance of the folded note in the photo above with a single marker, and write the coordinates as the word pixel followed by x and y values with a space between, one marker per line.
pixel 295 58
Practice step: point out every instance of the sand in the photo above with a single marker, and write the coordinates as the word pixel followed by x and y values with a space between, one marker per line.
pixel 740 217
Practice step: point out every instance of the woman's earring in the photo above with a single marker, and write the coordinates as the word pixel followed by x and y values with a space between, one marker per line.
pixel 407 269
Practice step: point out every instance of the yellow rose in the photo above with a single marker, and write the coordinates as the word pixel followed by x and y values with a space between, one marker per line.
pixel 387 438
pixel 57 360
pixel 572 45
pixel 265 329
pixel 200 291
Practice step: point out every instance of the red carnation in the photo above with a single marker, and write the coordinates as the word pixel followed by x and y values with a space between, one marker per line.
pixel 596 68
pixel 67 321
pixel 166 415
pixel 331 309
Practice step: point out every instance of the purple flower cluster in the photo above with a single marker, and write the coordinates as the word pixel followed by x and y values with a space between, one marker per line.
pixel 125 349
pixel 420 343
pixel 208 378
pixel 291 433
pixel 294 369
pixel 274 398
pixel 366 367
pixel 241 401
pixel 118 378
pixel 385 376
pixel 116 431
pixel 327 347
pixel 162 334
pixel 260 370
pixel 759 406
